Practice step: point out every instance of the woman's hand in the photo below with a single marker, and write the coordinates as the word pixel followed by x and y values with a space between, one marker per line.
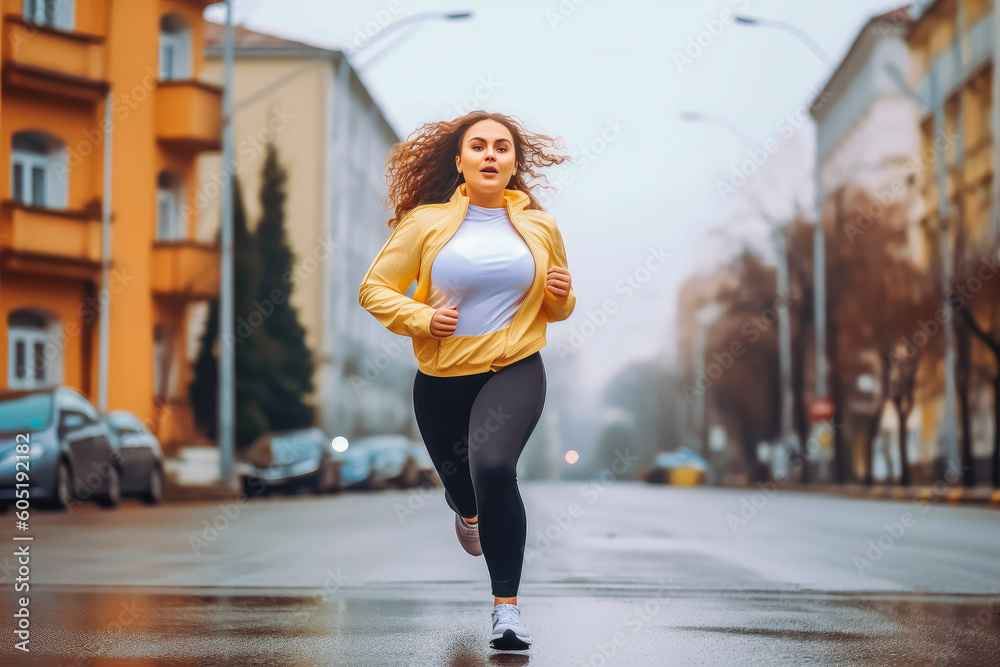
pixel 558 281
pixel 445 318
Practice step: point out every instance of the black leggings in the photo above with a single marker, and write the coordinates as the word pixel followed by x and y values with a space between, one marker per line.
pixel 475 428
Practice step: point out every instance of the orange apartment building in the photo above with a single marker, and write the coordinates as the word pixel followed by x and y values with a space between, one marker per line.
pixel 63 62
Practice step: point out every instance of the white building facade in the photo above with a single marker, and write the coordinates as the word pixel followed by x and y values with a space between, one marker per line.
pixel 333 139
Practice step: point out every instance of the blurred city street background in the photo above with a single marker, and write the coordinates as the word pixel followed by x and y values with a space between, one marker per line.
pixel 772 427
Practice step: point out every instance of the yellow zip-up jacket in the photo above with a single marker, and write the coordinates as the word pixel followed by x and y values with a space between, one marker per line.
pixel 408 255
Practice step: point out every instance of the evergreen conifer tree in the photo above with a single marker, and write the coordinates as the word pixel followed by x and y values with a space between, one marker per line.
pixel 290 369
pixel 253 347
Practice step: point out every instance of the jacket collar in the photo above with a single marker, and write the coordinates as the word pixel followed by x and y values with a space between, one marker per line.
pixel 515 200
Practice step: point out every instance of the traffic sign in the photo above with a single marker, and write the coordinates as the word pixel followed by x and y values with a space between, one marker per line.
pixel 821 409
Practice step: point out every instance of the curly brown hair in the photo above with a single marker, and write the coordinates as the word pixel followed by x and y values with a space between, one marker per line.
pixel 421 170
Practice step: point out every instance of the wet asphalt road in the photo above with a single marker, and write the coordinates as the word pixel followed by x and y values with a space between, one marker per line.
pixel 615 574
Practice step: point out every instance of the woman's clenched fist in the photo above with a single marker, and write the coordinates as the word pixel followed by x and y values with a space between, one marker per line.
pixel 445 318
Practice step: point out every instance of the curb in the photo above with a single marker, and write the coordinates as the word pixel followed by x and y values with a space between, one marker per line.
pixel 174 492
pixel 983 496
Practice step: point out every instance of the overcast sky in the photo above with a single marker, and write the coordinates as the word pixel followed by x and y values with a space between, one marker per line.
pixel 581 69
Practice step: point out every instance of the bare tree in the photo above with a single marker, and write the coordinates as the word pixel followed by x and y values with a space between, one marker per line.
pixel 879 298
pixel 746 393
pixel 976 299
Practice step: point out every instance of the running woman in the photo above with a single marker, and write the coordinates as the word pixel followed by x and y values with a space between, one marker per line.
pixel 491 273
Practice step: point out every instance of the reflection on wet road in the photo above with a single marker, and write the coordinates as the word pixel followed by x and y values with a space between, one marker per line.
pixel 642 576
pixel 571 626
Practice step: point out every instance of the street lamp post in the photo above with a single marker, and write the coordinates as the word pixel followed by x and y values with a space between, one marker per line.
pixel 227 351
pixel 819 242
pixel 704 317
pixel 227 376
pixel 341 138
pixel 788 434
pixel 226 412
pixel 940 168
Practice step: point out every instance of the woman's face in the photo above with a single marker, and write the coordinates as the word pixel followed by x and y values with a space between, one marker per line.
pixel 487 157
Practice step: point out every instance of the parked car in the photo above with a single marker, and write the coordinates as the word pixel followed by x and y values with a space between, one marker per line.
pixel 290 461
pixel 355 467
pixel 69 451
pixel 681 467
pixel 428 474
pixel 393 460
pixel 140 455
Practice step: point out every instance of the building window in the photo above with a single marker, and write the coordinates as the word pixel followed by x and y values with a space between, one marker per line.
pixel 175 48
pixel 38 170
pixel 169 195
pixel 52 13
pixel 165 370
pixel 34 361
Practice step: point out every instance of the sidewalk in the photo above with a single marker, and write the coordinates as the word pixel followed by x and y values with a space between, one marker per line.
pixel 952 495
pixel 195 476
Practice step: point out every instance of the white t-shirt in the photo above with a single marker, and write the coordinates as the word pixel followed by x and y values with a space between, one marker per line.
pixel 486 269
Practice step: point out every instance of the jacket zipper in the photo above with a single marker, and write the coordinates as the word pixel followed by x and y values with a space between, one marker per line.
pixel 438 252
pixel 506 344
pixel 437 354
pixel 510 213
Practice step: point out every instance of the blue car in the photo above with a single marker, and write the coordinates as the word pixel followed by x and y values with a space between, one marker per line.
pixel 355 467
pixel 66 452
pixel 384 460
pixel 290 461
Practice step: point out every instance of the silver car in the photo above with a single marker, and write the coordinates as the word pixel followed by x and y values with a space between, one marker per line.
pixel 140 455
pixel 56 441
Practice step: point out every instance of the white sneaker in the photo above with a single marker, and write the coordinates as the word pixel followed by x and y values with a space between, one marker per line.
pixel 468 536
pixel 508 631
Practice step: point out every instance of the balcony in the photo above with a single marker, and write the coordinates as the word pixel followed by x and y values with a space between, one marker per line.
pixel 52 61
pixel 189 115
pixel 55 242
pixel 185 270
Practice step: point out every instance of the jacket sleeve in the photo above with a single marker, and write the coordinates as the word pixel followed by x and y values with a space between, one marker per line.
pixel 382 293
pixel 557 308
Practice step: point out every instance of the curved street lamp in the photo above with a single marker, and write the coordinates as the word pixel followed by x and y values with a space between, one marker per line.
pixel 227 364
pixel 819 242
pixel 744 19
pixel 402 23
